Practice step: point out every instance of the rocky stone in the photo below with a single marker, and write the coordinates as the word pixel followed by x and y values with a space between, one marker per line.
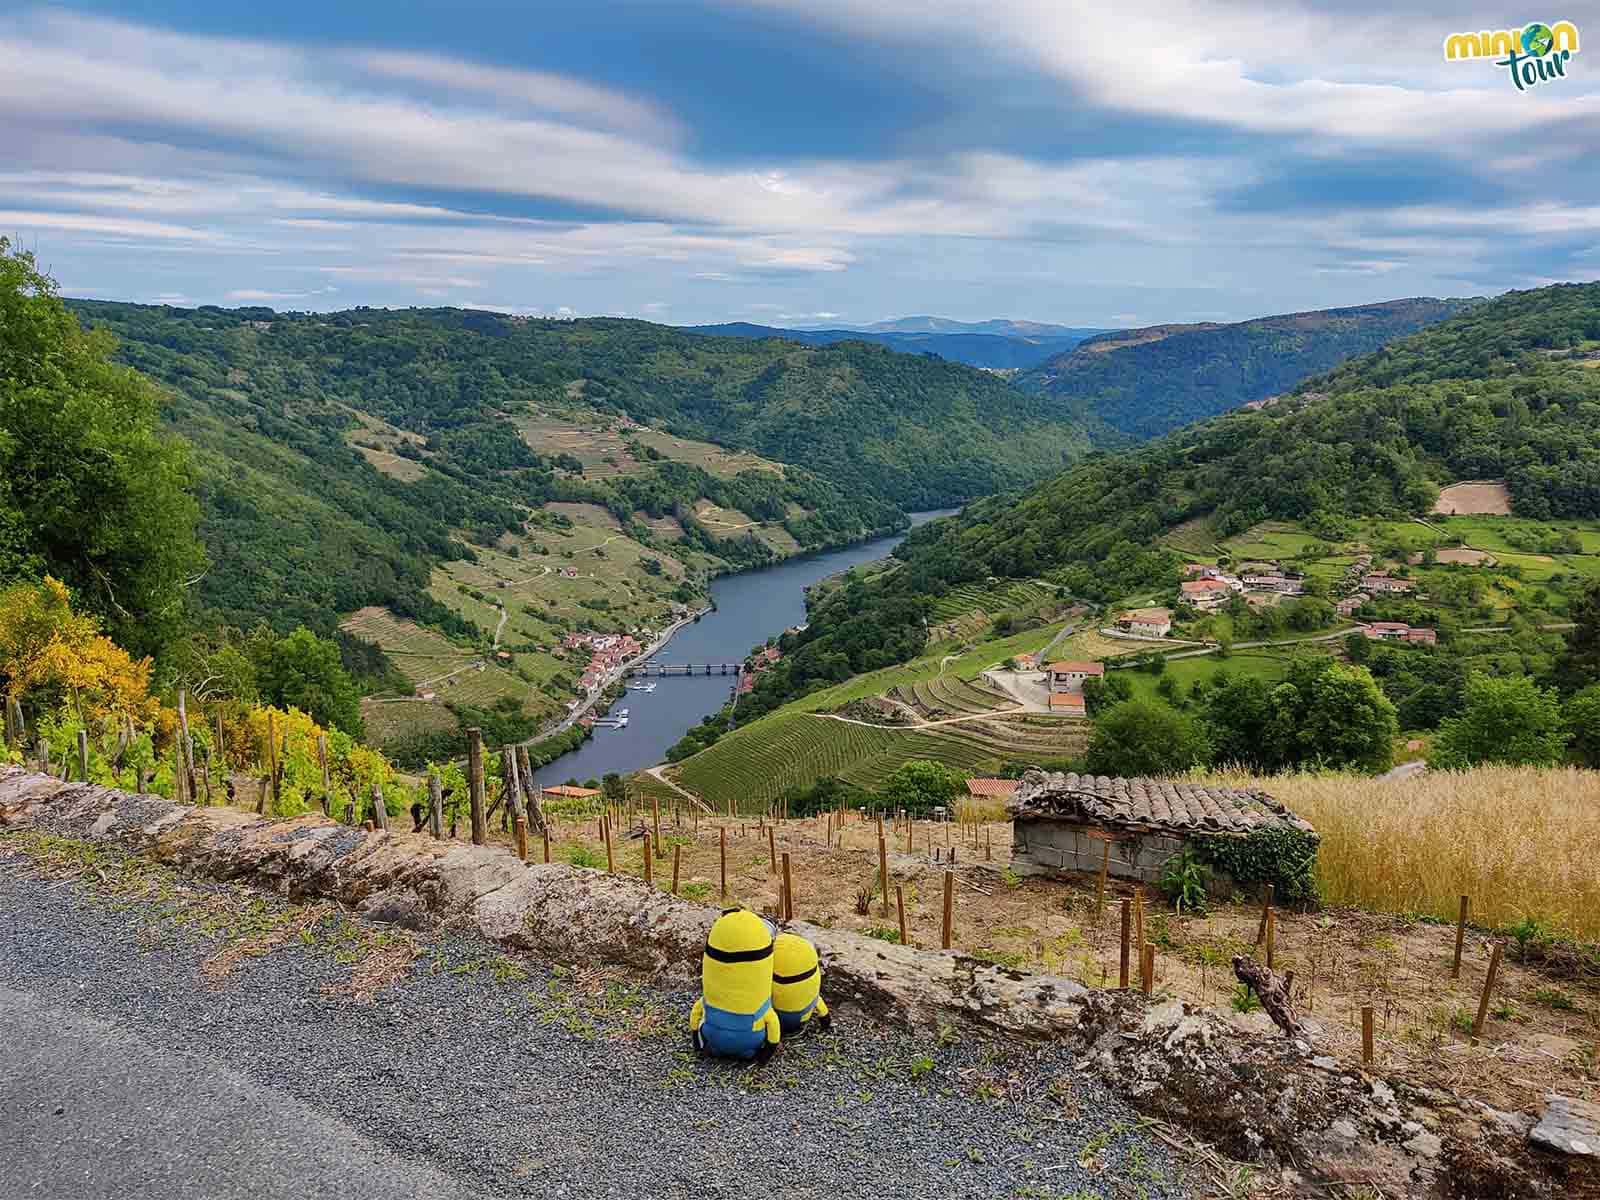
pixel 1425 1145
pixel 1570 1126
pixel 1344 1130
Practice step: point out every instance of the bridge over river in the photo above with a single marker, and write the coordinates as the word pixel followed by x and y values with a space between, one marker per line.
pixel 665 669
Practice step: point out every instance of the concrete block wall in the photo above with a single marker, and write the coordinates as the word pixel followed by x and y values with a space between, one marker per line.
pixel 1057 846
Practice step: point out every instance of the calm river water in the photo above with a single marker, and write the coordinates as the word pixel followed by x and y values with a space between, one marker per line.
pixel 751 607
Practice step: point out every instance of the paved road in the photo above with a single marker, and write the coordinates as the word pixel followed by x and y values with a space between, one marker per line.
pixel 129 1073
pixel 91 1109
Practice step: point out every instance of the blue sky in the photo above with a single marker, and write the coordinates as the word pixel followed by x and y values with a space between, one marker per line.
pixel 791 161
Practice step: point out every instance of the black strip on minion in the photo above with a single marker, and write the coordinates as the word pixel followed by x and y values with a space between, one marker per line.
pixel 737 956
pixel 800 978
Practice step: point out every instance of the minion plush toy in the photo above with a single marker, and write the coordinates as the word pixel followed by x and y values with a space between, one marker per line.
pixel 797 984
pixel 733 1017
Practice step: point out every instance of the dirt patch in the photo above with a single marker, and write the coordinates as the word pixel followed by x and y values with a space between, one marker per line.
pixel 1487 497
pixel 1459 556
pixel 585 514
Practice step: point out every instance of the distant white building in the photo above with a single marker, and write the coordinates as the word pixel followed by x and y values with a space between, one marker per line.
pixel 1070 676
pixel 1381 583
pixel 1146 622
pixel 1206 593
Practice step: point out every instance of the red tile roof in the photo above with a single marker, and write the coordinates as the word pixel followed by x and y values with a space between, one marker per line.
pixel 991 787
pixel 1078 668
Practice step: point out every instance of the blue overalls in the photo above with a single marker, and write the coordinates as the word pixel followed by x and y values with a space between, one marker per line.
pixel 734 1035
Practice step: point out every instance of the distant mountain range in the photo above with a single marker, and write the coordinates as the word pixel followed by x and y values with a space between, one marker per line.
pixel 1146 382
pixel 1008 345
pixel 1000 327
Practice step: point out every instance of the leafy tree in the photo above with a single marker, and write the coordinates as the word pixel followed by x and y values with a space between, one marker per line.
pixel 1579 664
pixel 1102 693
pixel 56 659
pixel 1331 714
pixel 1581 719
pixel 613 787
pixel 90 492
pixel 1357 647
pixel 306 672
pixel 1146 737
pixel 1238 718
pixel 921 785
pixel 1324 713
pixel 1503 721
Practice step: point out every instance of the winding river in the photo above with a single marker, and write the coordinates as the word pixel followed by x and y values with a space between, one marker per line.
pixel 750 607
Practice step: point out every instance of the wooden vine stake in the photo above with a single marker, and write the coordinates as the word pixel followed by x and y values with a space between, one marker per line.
pixel 1461 932
pixel 1272 935
pixel 649 875
pixel 475 784
pixel 722 851
pixel 13 723
pixel 1366 1033
pixel 1488 990
pixel 546 832
pixel 1147 969
pixel 605 832
pixel 83 755
pixel 772 847
pixel 788 889
pixel 1266 909
pixel 271 797
pixel 677 858
pixel 380 811
pixel 1100 892
pixel 1127 933
pixel 883 869
pixel 435 806
pixel 532 805
pixel 327 783
pixel 522 837
pixel 900 905
pixel 185 745
pixel 949 908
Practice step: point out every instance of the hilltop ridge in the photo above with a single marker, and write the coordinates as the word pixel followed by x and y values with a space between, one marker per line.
pixel 1146 382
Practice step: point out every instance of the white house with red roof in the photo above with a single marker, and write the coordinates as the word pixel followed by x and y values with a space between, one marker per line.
pixel 1206 593
pixel 1069 676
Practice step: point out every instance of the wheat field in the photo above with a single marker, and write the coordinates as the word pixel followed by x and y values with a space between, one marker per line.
pixel 1521 842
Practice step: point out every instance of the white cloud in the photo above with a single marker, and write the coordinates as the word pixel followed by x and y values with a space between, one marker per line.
pixel 538 90
pixel 1266 67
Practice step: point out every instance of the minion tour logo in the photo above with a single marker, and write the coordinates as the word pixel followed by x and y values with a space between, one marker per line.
pixel 1534 54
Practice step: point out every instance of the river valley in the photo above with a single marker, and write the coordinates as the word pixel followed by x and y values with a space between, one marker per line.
pixel 750 608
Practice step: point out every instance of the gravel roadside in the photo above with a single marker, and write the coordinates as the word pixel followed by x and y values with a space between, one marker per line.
pixel 470 1073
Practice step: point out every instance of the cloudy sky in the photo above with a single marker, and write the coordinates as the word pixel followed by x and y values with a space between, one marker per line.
pixel 791 161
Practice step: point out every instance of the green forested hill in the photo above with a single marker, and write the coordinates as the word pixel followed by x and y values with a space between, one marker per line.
pixel 299 527
pixel 1146 382
pixel 915 431
pixel 1509 388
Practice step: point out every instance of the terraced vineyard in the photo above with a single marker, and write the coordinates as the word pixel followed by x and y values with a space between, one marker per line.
pixel 948 696
pixel 992 597
pixel 787 749
pixel 430 660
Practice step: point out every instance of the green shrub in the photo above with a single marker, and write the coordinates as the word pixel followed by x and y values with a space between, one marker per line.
pixel 1285 858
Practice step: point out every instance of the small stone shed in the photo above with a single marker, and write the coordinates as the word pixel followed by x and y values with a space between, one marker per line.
pixel 1062 822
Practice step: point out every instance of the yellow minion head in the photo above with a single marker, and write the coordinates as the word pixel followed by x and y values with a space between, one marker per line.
pixel 736 969
pixel 796 981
